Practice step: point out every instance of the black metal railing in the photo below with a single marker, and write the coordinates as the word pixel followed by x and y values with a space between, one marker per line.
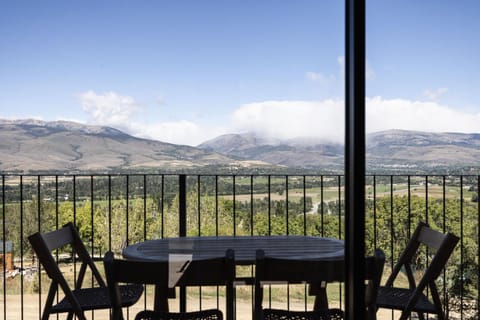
pixel 112 211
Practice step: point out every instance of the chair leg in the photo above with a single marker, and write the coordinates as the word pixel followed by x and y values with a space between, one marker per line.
pixel 437 302
pixel 48 303
pixel 372 314
pixel 46 314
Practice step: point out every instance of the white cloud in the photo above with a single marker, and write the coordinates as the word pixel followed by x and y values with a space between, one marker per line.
pixel 283 119
pixel 288 119
pixel 113 109
pixel 435 94
pixel 325 119
pixel 418 115
pixel 109 108
pixel 179 132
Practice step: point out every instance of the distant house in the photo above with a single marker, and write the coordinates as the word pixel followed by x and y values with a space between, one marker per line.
pixel 6 255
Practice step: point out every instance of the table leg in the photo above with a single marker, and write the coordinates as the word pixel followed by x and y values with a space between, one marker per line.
pixel 319 290
pixel 161 298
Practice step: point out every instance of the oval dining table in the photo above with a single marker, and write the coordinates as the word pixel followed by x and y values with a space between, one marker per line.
pixel 245 247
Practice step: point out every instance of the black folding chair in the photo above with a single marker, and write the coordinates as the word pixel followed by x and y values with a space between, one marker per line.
pixel 79 299
pixel 414 298
pixel 208 272
pixel 269 269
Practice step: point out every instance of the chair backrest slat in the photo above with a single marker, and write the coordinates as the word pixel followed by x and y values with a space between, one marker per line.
pixel 431 238
pixel 441 257
pixel 274 269
pixel 58 239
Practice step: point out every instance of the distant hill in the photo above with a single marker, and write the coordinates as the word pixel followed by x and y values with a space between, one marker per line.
pixel 423 150
pixel 303 153
pixel 32 146
pixel 392 150
pixel 62 146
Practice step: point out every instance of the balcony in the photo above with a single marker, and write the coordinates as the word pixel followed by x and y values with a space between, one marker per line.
pixel 113 211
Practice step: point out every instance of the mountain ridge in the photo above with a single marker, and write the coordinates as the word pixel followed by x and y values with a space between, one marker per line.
pixel 63 146
pixel 30 145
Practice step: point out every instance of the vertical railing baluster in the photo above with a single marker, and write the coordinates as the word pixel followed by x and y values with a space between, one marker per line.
pixel 374 211
pixel 287 230
pixel 251 225
pixel 182 216
pixel 286 206
pixel 391 226
pixel 182 205
pixel 109 212
pixel 145 227
pixel 305 206
pixel 216 221
pixel 426 199
pixel 409 200
pixel 21 249
pixel 144 207
pixel 162 208
pixel 39 230
pixel 56 224
pixel 92 218
pixel 269 209
pixel 461 249
pixel 4 247
pixel 198 205
pixel 478 245
pixel 199 234
pixel 92 231
pixel 74 256
pixel 339 190
pixel 340 227
pixel 127 205
pixel 305 231
pixel 444 230
pixel 234 206
pixel 216 205
pixel 322 208
pixel 391 229
pixel 251 205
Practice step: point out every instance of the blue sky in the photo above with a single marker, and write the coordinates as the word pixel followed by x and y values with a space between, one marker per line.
pixel 186 71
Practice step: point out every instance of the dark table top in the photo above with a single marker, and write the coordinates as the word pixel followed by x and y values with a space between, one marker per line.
pixel 293 247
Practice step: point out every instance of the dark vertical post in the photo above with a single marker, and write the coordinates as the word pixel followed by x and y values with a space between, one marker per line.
pixel 182 204
pixel 182 222
pixel 355 158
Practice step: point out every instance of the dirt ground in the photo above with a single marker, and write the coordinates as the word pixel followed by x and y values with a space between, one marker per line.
pixel 31 308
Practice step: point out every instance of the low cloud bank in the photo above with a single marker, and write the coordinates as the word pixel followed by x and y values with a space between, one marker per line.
pixel 323 120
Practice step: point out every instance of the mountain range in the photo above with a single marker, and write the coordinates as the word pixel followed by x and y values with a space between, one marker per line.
pixel 29 146
pixel 62 146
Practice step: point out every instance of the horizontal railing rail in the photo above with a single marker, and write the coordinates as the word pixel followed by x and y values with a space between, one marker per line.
pixel 113 211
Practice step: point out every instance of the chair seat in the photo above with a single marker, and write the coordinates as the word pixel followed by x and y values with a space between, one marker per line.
pixel 210 314
pixel 98 298
pixel 397 298
pixel 276 314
